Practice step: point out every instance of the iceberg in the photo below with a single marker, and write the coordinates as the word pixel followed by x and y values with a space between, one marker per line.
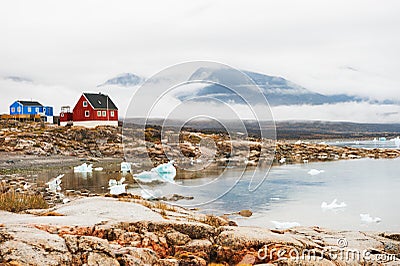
pixel 396 142
pixel 284 225
pixel 55 184
pixel 126 167
pixel 117 187
pixel 98 169
pixel 315 172
pixel 333 205
pixel 84 168
pixel 366 218
pixel 164 172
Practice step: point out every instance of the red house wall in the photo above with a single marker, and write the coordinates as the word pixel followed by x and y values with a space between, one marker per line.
pixel 79 112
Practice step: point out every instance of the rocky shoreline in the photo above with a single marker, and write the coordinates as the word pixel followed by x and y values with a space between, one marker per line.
pixel 52 144
pixel 174 237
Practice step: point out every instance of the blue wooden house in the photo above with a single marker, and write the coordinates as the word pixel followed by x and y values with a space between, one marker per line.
pixel 31 108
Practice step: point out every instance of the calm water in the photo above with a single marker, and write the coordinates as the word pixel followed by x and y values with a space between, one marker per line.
pixel 288 194
pixel 368 144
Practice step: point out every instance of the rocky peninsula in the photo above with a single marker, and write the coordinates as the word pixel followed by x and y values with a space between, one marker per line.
pixel 95 231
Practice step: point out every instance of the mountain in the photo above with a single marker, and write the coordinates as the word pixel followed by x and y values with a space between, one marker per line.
pixel 125 79
pixel 18 79
pixel 277 90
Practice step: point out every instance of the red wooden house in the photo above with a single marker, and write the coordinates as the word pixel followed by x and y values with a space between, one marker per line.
pixel 92 110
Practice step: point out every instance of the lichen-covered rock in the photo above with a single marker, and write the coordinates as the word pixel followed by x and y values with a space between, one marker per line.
pixel 91 243
pixel 177 238
pixel 137 256
pixel 100 259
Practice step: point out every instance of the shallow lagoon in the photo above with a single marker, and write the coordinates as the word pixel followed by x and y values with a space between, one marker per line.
pixel 288 194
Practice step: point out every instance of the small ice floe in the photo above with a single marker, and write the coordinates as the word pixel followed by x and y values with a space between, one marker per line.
pixel 275 199
pixel 396 142
pixel 55 184
pixel 150 194
pixel 126 167
pixel 164 172
pixel 383 139
pixel 117 187
pixel 366 218
pixel 333 205
pixel 282 160
pixel 284 225
pixel 65 201
pixel 98 169
pixel 305 161
pixel 84 168
pixel 315 172
pixel 298 142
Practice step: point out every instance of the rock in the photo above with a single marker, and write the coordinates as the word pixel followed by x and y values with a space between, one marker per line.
pixel 138 256
pixel 177 238
pixel 91 243
pixel 100 259
pixel 199 247
pixel 167 262
pixel 245 213
pixel 30 246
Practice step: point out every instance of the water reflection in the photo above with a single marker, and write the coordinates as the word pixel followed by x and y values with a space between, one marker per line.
pixel 288 194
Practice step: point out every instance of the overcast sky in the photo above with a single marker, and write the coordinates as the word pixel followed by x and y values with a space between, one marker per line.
pixel 66 47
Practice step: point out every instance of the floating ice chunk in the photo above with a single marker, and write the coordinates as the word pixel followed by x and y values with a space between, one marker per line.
pixel 298 142
pixel 396 142
pixel 84 168
pixel 164 172
pixel 382 139
pixel 366 218
pixel 315 172
pixel 54 184
pixel 282 160
pixel 284 225
pixel 333 205
pixel 126 167
pixel 275 199
pixel 65 201
pixel 98 169
pixel 117 187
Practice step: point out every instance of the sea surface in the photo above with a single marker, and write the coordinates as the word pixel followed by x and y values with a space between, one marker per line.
pixel 287 194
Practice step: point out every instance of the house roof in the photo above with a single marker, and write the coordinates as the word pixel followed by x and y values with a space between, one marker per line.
pixel 99 101
pixel 30 103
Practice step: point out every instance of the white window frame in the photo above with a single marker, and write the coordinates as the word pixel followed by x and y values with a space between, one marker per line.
pixel 37 109
pixel 12 109
pixel 85 104
pixel 112 113
pixel 19 109
pixel 29 109
pixel 87 113
pixel 104 113
pixel 98 113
